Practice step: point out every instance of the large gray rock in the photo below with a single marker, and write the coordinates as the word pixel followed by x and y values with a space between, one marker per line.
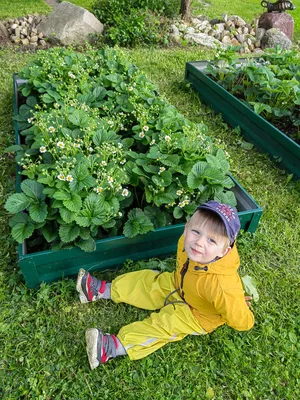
pixel 274 37
pixel 204 40
pixel 69 24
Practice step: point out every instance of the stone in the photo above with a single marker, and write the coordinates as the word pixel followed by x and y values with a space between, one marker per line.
pixel 174 38
pixel 235 42
pixel 282 21
pixel 34 39
pixel 226 40
pixel 25 42
pixel 190 29
pixel 70 24
pixel 3 31
pixel 274 37
pixel 42 43
pixel 41 35
pixel 219 27
pixel 204 40
pixel 14 26
pixel 17 32
pixel 238 21
pixel 174 30
pixel 24 31
pixel 215 21
pixel 240 38
pixel 229 24
pixel 260 33
pixel 258 51
pixel 257 44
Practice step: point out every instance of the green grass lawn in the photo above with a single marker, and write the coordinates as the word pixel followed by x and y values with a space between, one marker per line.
pixel 42 330
pixel 20 8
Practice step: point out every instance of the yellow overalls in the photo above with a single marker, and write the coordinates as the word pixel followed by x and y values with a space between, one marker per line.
pixel 148 290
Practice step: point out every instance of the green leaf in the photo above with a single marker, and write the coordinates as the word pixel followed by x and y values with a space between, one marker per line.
pixel 156 216
pixel 226 198
pixel 293 337
pixel 61 196
pixel 86 245
pixel 31 101
pixel 67 215
pixel 68 232
pixel 162 198
pixel 17 202
pixel 164 179
pixel 131 228
pixel 19 218
pixel 46 98
pixel 22 231
pixel 138 223
pixel 33 189
pixel 194 181
pixel 49 231
pixel 99 92
pixel 79 118
pixel 249 287
pixel 38 211
pixel 74 204
pixel 178 212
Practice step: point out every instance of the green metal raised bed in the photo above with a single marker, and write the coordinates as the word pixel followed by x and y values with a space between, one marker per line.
pixel 254 128
pixel 47 266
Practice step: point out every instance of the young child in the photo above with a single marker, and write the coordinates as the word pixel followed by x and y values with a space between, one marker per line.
pixel 204 292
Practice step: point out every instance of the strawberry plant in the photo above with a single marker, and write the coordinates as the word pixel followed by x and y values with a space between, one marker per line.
pixel 103 154
pixel 269 84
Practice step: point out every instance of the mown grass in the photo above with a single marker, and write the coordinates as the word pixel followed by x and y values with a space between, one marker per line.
pixel 19 8
pixel 42 330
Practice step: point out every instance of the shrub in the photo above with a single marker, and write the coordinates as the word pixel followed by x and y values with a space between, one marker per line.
pixel 132 22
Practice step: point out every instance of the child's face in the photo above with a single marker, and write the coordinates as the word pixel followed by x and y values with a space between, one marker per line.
pixel 202 245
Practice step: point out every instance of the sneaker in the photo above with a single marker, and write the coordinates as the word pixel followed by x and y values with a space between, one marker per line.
pixel 100 347
pixel 89 287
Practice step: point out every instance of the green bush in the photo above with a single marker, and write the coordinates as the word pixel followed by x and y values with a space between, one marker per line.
pixel 132 22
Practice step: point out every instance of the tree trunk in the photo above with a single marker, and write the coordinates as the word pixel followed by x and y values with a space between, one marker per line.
pixel 185 10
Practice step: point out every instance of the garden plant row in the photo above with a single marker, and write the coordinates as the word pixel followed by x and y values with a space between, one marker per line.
pixel 268 85
pixel 102 155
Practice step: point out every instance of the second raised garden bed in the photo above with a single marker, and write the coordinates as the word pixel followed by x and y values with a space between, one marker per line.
pixel 254 128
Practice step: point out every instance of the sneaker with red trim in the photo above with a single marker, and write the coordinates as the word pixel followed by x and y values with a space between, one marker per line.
pixel 100 347
pixel 89 287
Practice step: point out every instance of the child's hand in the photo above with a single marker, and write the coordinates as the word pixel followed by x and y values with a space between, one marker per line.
pixel 248 300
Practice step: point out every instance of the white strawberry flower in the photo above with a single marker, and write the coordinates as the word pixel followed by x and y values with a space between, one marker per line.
pixel 61 145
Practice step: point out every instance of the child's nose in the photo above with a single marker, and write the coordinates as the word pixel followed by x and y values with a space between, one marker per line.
pixel 200 241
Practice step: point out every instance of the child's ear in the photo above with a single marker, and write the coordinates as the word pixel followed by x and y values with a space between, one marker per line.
pixel 227 250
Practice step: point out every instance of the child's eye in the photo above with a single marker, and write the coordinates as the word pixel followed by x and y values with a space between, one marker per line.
pixel 195 231
pixel 211 240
